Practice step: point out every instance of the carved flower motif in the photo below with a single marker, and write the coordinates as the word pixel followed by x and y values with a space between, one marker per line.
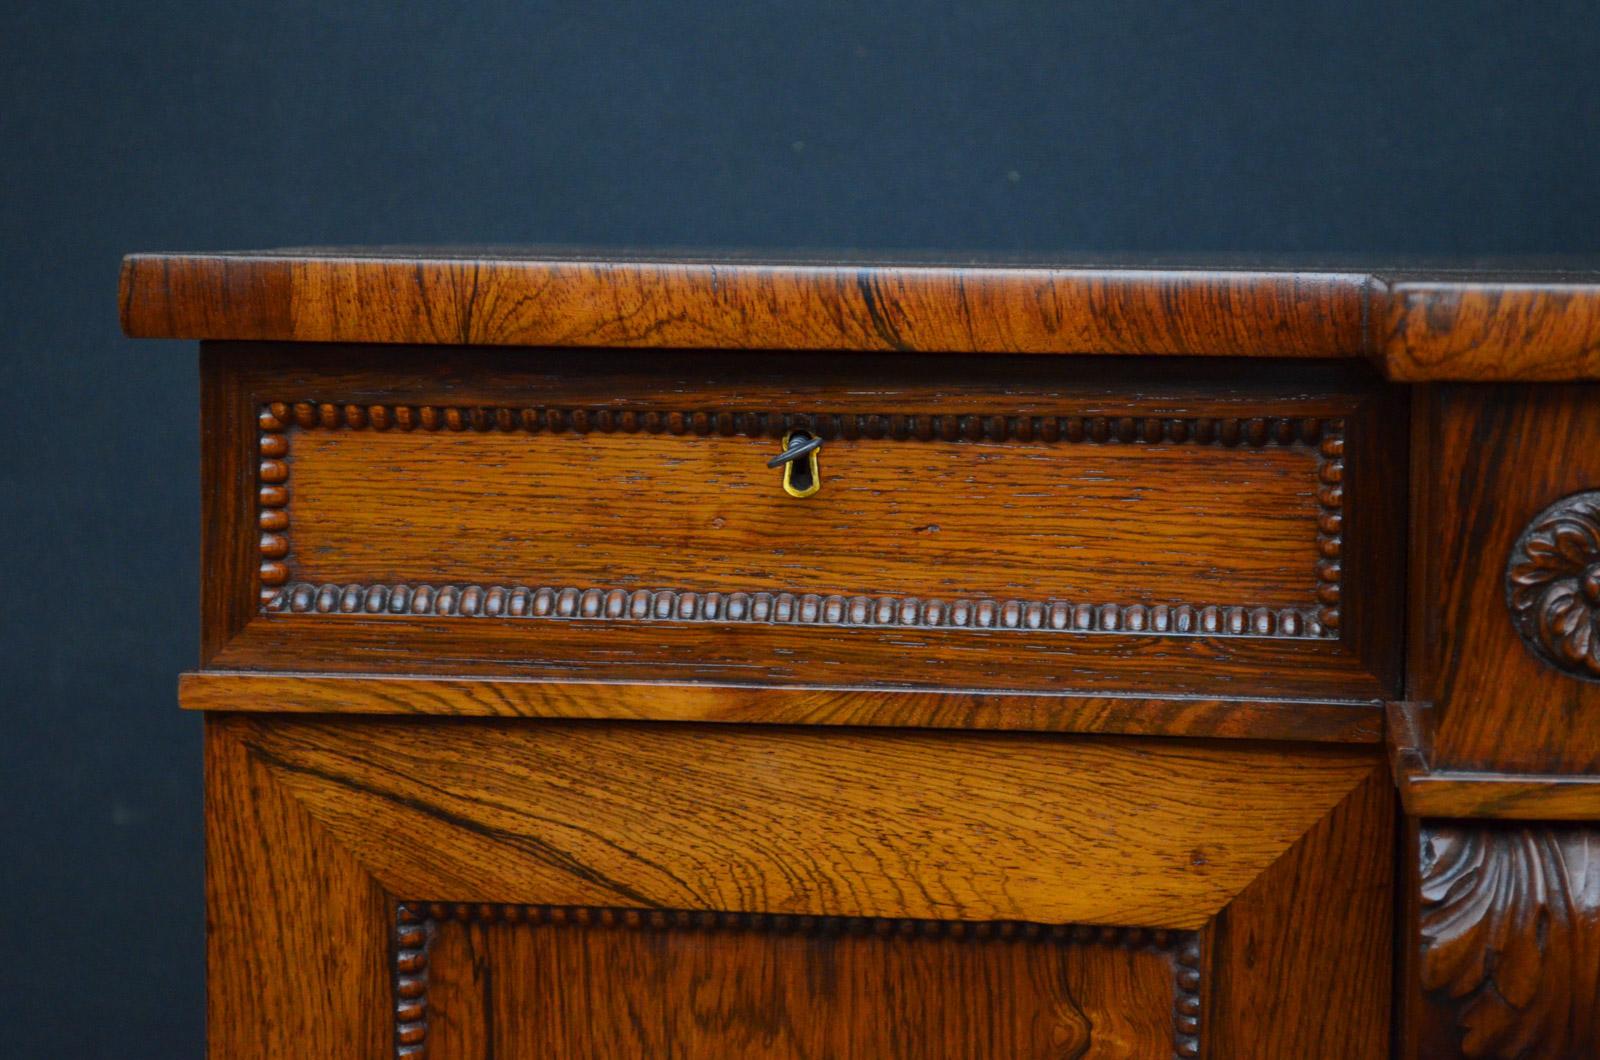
pixel 1553 585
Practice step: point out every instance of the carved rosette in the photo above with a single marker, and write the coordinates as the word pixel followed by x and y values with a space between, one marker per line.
pixel 1553 585
pixel 1510 930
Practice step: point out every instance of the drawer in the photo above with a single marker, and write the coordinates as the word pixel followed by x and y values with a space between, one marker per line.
pixel 976 524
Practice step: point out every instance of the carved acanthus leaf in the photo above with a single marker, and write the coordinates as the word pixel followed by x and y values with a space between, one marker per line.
pixel 1510 926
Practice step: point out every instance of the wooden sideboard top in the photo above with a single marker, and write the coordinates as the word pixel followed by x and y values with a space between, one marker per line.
pixel 1414 323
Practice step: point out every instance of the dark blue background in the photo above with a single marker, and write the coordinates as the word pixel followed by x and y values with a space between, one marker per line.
pixel 1435 128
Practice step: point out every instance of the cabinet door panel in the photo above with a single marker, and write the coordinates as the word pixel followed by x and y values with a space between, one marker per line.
pixel 560 982
pixel 609 889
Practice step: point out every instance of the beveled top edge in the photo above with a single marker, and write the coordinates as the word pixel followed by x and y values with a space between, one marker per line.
pixel 1477 320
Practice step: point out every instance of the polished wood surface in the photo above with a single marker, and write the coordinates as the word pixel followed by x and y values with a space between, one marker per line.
pixel 1491 328
pixel 692 511
pixel 1430 791
pixel 485 299
pixel 1172 667
pixel 1444 324
pixel 1216 533
pixel 1497 750
pixel 1320 917
pixel 297 932
pixel 1242 719
pixel 1489 461
pixel 540 982
pixel 1514 796
pixel 348 818
pixel 836 823
pixel 1071 717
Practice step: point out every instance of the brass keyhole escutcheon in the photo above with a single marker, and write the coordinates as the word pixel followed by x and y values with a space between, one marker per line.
pixel 802 476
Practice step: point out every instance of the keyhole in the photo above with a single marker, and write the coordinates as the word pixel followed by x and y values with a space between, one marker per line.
pixel 802 476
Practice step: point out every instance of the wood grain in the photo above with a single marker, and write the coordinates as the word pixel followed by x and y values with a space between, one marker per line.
pixel 1510 796
pixel 534 981
pixel 466 610
pixel 1498 329
pixel 1003 660
pixel 286 907
pixel 1426 791
pixel 950 523
pixel 230 497
pixel 1350 722
pixel 362 520
pixel 510 301
pixel 1319 917
pixel 1416 326
pixel 838 823
pixel 1487 462
pixel 701 980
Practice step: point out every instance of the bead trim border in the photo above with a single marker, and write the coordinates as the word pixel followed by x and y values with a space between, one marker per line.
pixel 812 609
pixel 279 594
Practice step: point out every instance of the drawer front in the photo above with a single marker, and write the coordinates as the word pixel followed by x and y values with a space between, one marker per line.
pixel 1059 522
pixel 988 525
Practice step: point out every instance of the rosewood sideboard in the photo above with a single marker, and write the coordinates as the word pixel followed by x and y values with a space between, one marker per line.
pixel 675 656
